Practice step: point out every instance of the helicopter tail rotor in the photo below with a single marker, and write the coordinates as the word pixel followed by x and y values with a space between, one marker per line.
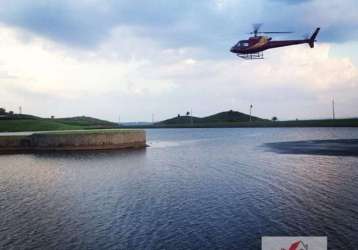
pixel 313 38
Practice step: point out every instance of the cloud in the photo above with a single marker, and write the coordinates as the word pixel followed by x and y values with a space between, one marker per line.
pixel 41 71
pixel 214 24
pixel 338 19
pixel 48 79
pixel 104 58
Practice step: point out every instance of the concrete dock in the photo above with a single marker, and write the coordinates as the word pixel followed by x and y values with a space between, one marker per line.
pixel 72 140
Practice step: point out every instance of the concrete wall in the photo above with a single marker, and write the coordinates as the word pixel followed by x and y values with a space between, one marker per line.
pixel 14 142
pixel 74 140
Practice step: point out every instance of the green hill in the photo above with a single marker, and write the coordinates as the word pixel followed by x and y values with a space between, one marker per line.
pixel 18 123
pixel 227 117
pixel 10 116
pixel 87 121
pixel 21 125
pixel 181 120
pixel 241 120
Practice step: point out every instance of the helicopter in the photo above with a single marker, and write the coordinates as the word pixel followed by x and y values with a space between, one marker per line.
pixel 253 47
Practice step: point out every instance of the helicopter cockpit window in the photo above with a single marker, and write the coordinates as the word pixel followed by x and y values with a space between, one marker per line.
pixel 244 44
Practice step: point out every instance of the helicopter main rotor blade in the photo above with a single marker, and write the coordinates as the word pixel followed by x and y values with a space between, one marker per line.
pixel 275 32
pixel 256 27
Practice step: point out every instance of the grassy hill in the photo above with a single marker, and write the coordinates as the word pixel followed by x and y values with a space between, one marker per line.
pixel 17 123
pixel 33 125
pixel 86 121
pixel 180 120
pixel 18 117
pixel 265 124
pixel 238 119
pixel 227 117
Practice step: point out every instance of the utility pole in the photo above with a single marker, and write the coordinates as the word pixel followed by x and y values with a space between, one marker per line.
pixel 119 120
pixel 333 110
pixel 250 111
pixel 191 116
pixel 20 110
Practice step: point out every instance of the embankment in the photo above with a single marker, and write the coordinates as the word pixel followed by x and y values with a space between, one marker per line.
pixel 72 140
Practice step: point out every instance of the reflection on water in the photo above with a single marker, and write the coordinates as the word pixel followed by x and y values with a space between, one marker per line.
pixel 192 189
pixel 338 147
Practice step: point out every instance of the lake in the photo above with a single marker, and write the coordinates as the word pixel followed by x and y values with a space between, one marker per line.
pixel 191 189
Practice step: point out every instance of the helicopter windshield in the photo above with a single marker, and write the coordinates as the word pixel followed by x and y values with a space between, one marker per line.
pixel 243 44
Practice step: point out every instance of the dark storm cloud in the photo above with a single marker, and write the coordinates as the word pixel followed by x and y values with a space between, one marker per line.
pixel 199 23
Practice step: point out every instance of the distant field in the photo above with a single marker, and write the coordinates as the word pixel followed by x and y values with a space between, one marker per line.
pixel 88 123
pixel 263 124
pixel 233 118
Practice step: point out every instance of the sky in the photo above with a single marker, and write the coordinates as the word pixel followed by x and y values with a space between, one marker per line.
pixel 142 59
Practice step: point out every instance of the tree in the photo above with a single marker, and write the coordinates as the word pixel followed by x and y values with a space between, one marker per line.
pixel 187 113
pixel 2 111
pixel 178 115
pixel 11 112
pixel 274 119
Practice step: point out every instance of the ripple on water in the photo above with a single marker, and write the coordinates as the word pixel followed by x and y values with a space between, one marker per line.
pixel 192 189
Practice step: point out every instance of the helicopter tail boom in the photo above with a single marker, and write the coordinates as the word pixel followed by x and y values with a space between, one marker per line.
pixel 313 38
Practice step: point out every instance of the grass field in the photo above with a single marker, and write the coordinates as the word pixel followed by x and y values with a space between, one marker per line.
pixel 263 124
pixel 237 119
pixel 87 123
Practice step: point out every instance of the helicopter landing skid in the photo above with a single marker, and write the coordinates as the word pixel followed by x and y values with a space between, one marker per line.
pixel 259 55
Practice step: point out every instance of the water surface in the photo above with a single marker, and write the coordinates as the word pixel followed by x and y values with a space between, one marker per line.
pixel 191 189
